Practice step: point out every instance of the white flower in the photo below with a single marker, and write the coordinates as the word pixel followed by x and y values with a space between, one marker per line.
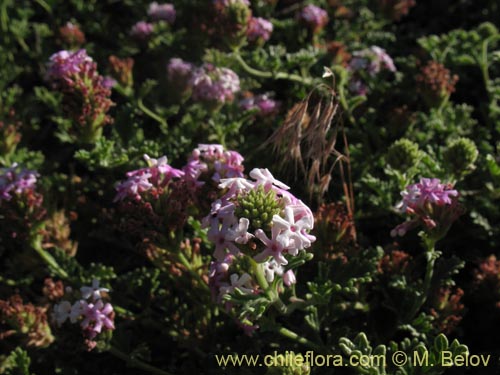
pixel 242 283
pixel 271 269
pixel 239 233
pixel 62 312
pixel 93 291
pixel 264 177
pixel 77 310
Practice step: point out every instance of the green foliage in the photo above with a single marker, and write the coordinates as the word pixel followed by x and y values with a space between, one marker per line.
pixel 16 363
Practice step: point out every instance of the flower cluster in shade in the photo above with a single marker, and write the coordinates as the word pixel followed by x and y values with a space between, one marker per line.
pixel 210 83
pixel 71 35
pixel 259 29
pixel 162 12
pixel 431 204
pixel 370 61
pixel 16 181
pixel 314 17
pixel 90 311
pixel 263 103
pixel 143 30
pixel 152 181
pixel 207 82
pixel 226 3
pixel 86 92
pixel 257 218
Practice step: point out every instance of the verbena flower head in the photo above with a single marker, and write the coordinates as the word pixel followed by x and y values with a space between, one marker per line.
pixel 215 161
pixel 162 12
pixel 314 17
pixel 16 181
pixel 259 29
pixel 178 68
pixel 151 180
pixel 432 203
pixel 256 226
pixel 86 93
pixel 212 84
pixel 142 30
pixel 90 311
pixel 263 211
pixel 265 105
pixel 372 60
pixel 64 65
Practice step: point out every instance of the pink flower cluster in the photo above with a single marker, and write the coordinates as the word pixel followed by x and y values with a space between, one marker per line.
pixel 87 93
pixel 263 103
pixel 208 83
pixel 179 69
pixel 162 12
pixel 153 180
pixel 314 17
pixel 212 84
pixel 213 158
pixel 371 61
pixel 65 65
pixel 90 311
pixel 259 29
pixel 142 30
pixel 16 181
pixel 235 236
pixel 432 204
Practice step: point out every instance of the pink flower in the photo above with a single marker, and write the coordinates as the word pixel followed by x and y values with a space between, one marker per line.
pixel 96 316
pixel 179 72
pixel 64 64
pixel 275 246
pixel 265 105
pixel 16 181
pixel 289 278
pixel 162 12
pixel 259 28
pixel 141 30
pixel 262 176
pixel 373 60
pixel 431 204
pixel 133 187
pixel 211 84
pixel 428 190
pixel 294 229
pixel 314 17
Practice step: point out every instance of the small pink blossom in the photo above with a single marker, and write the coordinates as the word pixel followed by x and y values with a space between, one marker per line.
pixel 162 12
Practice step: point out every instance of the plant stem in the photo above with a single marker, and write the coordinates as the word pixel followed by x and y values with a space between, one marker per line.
pixel 193 273
pixel 49 259
pixel 279 75
pixel 132 362
pixel 150 113
pixel 431 256
pixel 285 332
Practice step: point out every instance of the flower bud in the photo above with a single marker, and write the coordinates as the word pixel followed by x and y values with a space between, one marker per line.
pixel 403 154
pixel 460 155
pixel 435 83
